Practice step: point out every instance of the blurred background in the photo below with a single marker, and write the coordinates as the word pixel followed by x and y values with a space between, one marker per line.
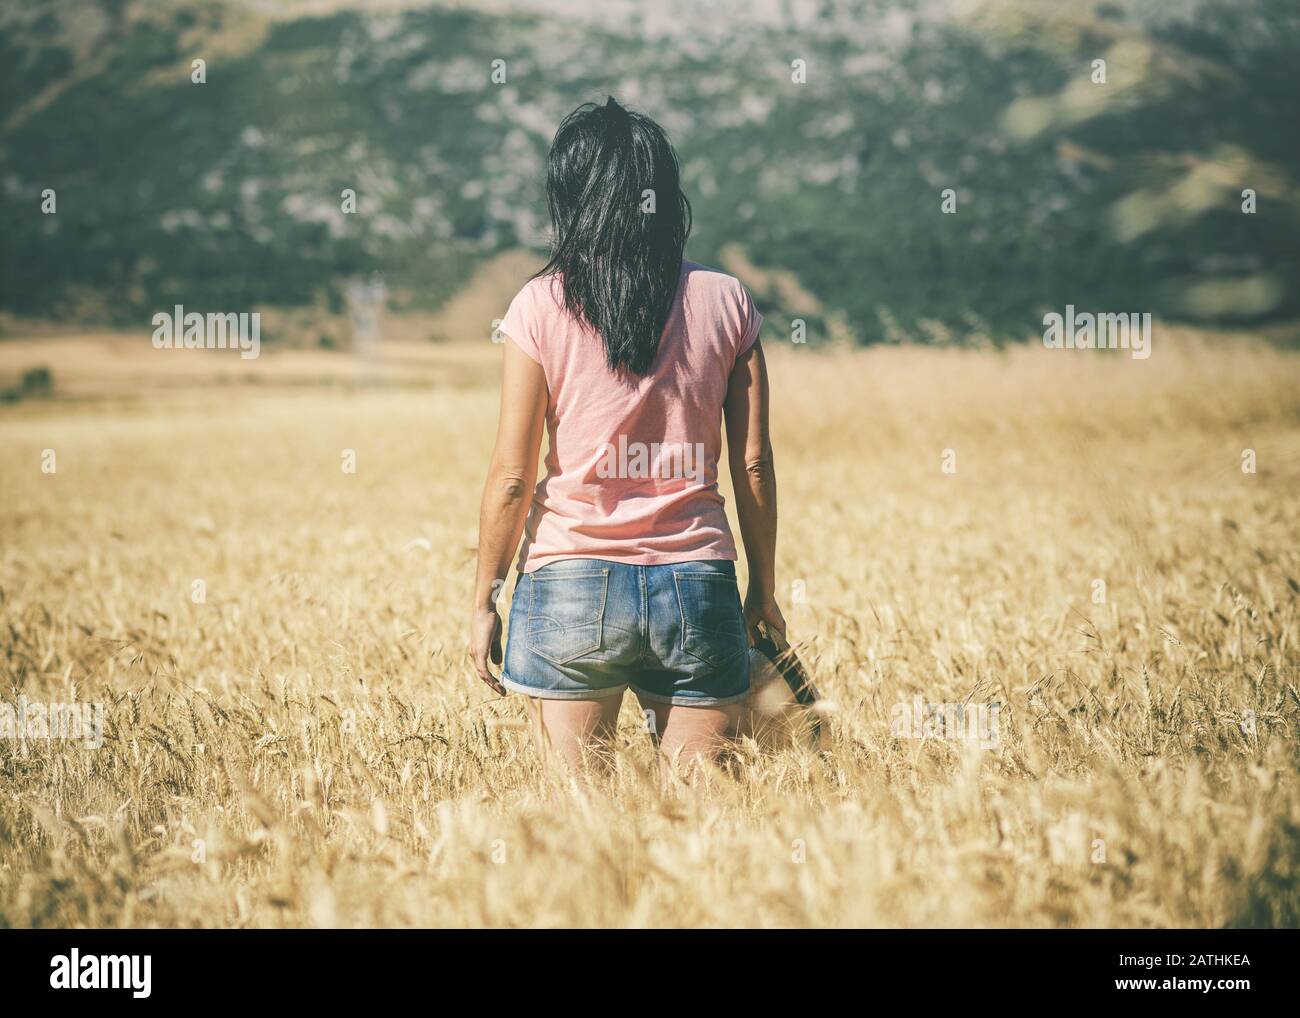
pixel 1115 186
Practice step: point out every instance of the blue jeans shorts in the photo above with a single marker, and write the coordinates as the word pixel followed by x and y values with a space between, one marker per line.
pixel 584 629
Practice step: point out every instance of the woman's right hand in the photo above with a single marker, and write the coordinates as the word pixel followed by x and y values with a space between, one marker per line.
pixel 485 646
pixel 763 609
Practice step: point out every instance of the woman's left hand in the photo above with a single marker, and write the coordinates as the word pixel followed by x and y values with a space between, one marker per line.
pixel 485 644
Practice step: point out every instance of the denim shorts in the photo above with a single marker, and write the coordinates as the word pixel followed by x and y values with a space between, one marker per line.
pixel 584 629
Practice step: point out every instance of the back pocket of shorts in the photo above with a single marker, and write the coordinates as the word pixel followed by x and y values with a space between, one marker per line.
pixel 566 613
pixel 713 627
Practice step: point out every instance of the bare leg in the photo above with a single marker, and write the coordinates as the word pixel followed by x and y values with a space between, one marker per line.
pixel 572 733
pixel 689 736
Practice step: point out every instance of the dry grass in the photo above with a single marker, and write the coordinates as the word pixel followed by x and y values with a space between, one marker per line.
pixel 307 746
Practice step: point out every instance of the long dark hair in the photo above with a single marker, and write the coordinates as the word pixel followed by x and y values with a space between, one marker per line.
pixel 619 265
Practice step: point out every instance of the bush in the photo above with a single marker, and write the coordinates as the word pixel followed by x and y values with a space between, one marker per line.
pixel 38 381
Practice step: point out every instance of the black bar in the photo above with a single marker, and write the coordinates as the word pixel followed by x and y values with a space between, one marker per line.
pixel 977 968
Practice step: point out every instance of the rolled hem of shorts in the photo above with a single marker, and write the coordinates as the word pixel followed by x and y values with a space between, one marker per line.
pixel 691 701
pixel 563 694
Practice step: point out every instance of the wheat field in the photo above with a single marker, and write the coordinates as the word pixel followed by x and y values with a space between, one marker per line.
pixel 293 737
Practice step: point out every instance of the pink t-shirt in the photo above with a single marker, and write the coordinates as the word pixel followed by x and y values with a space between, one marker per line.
pixel 632 464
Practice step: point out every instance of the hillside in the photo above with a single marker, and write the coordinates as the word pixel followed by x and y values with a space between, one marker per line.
pixel 1123 196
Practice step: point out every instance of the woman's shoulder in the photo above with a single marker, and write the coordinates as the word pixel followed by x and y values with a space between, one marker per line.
pixel 721 296
pixel 705 283
pixel 538 300
pixel 702 283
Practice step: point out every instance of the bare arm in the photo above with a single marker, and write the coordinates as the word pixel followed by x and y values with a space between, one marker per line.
pixel 506 497
pixel 753 476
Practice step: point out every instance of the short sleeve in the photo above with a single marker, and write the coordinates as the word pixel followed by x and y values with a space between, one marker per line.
pixel 750 321
pixel 521 325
